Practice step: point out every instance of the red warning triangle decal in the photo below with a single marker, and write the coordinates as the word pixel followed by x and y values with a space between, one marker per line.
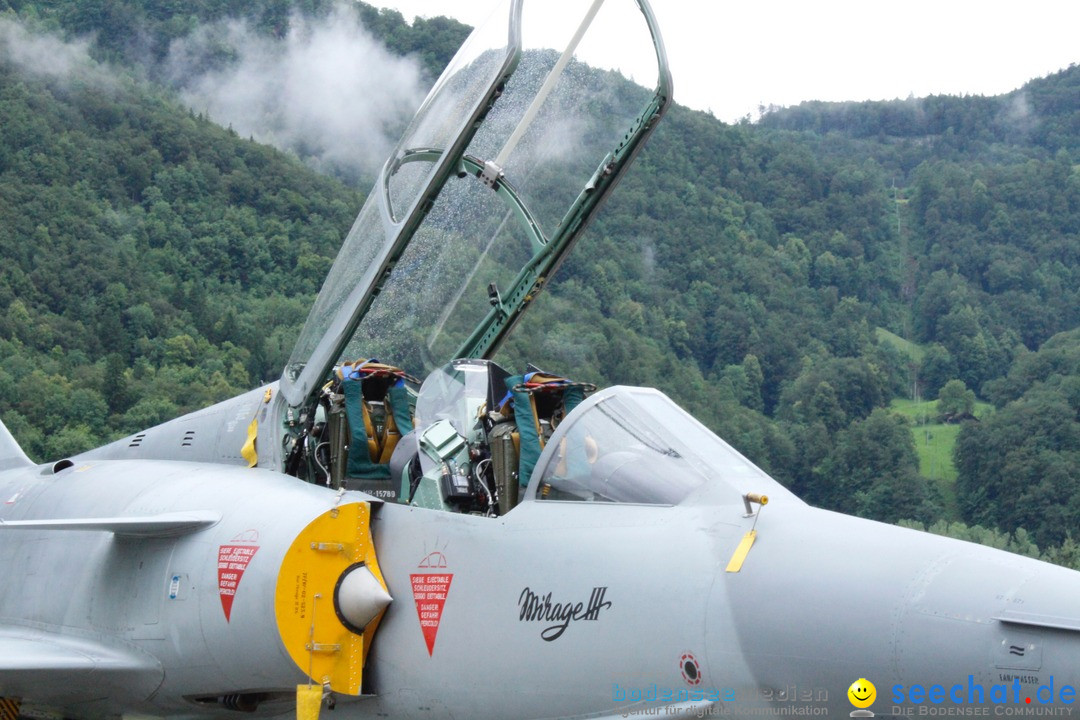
pixel 232 562
pixel 429 592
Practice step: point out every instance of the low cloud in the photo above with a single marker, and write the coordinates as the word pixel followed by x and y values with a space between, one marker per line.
pixel 329 91
pixel 48 56
pixel 1019 116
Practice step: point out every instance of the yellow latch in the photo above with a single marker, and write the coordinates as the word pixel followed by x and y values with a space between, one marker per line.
pixel 308 700
pixel 735 564
pixel 739 556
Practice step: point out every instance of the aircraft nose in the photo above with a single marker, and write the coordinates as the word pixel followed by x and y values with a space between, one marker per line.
pixel 359 597
pixel 908 611
pixel 1021 615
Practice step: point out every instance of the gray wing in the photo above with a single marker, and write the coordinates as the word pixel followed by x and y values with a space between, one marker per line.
pixel 163 525
pixel 44 667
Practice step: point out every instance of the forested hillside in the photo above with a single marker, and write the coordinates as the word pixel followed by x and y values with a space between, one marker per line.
pixel 156 262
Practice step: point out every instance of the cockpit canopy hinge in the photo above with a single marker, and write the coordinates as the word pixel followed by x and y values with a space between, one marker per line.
pixel 491 174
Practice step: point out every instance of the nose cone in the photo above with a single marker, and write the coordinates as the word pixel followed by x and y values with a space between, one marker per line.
pixel 824 600
pixel 992 629
pixel 359 598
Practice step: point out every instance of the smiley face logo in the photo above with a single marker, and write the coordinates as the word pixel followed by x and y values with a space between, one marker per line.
pixel 862 693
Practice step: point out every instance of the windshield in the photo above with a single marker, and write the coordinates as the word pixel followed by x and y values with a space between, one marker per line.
pixel 634 445
pixel 456 392
pixel 443 125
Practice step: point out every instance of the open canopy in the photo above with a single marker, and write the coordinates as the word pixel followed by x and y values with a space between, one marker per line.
pixel 499 172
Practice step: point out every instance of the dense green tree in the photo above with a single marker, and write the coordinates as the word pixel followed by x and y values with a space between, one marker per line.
pixel 1058 357
pixel 1019 466
pixel 835 391
pixel 955 402
pixel 936 368
pixel 873 472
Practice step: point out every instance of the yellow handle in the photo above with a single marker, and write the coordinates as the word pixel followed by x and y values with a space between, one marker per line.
pixel 308 700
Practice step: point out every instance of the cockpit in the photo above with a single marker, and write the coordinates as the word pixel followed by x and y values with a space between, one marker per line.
pixel 502 169
pixel 627 445
pixel 473 438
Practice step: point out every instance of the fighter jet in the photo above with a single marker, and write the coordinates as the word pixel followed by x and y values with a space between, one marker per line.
pixel 401 528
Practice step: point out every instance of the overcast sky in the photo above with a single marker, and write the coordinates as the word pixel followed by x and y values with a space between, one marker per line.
pixel 730 57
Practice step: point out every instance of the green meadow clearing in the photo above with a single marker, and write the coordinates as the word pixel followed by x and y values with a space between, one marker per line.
pixel 934 443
